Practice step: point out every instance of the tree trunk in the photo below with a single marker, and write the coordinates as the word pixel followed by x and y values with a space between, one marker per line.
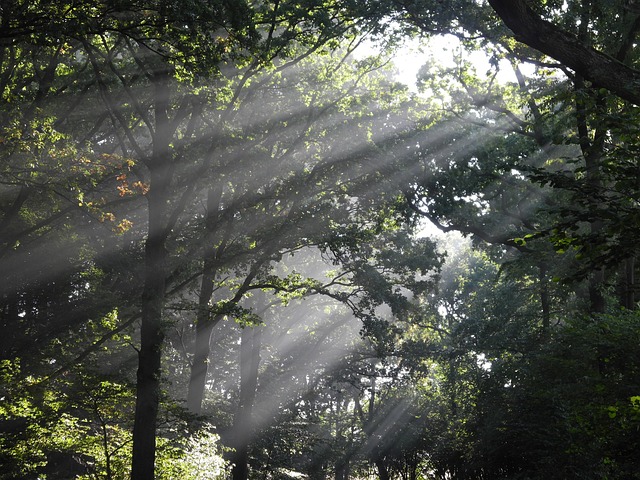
pixel 342 470
pixel 243 421
pixel 592 151
pixel 413 468
pixel 200 366
pixel 596 298
pixel 153 295
pixel 149 358
pixel 204 322
pixel 383 471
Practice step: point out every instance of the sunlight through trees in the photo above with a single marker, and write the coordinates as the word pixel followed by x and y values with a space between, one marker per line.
pixel 238 241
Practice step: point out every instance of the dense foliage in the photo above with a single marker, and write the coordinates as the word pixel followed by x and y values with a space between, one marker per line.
pixel 213 253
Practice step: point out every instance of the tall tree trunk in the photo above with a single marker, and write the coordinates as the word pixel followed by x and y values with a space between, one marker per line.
pixel 153 295
pixel 383 472
pixel 592 151
pixel 413 467
pixel 204 321
pixel 10 320
pixel 243 420
pixel 149 356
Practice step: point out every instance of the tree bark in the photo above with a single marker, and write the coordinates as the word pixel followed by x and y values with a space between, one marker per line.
pixel 342 463
pixel 597 67
pixel 153 295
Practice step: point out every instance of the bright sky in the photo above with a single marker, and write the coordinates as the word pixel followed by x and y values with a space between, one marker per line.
pixel 442 50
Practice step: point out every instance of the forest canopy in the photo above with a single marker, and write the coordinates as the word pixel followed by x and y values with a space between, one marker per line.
pixel 234 244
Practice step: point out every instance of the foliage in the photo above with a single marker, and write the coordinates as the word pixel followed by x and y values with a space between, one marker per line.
pixel 198 456
pixel 178 162
pixel 80 427
pixel 84 430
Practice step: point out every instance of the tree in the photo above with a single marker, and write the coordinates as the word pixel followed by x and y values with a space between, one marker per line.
pixel 149 74
pixel 603 71
pixel 173 156
pixel 280 188
pixel 539 26
pixel 574 38
pixel 162 133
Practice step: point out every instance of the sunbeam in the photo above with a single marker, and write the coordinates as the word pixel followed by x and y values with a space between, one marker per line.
pixel 214 253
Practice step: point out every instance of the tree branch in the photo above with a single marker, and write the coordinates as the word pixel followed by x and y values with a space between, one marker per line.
pixel 597 67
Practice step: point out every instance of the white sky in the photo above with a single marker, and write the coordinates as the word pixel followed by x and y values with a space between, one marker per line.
pixel 441 50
